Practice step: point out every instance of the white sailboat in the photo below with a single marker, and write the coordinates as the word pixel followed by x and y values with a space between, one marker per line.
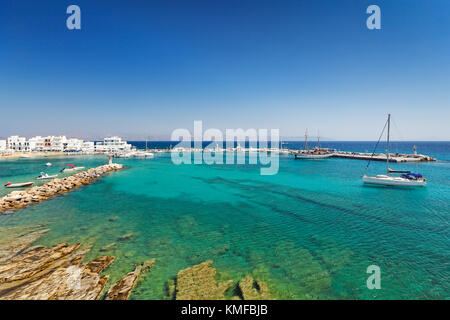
pixel 407 179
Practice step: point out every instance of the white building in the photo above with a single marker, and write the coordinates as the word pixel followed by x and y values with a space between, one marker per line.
pixel 73 145
pixel 112 144
pixel 54 143
pixel 2 145
pixel 88 147
pixel 16 143
pixel 36 143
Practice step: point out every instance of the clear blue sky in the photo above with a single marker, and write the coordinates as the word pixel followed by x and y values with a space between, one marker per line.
pixel 142 68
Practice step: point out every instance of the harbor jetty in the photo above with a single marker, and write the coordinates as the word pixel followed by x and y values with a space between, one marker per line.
pixel 393 157
pixel 21 199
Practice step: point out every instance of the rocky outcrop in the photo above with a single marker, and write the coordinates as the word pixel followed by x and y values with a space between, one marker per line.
pixel 198 283
pixel 58 272
pixel 21 199
pixel 254 290
pixel 16 239
pixel 122 289
pixel 45 273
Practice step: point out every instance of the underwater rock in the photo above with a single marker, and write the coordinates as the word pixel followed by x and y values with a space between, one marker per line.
pixel 108 247
pixel 121 290
pixel 170 289
pixel 112 219
pixel 19 199
pixel 127 236
pixel 198 283
pixel 254 290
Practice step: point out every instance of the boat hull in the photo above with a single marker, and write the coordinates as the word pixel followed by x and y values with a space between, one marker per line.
pixel 47 177
pixel 19 185
pixel 393 181
pixel 72 169
pixel 312 156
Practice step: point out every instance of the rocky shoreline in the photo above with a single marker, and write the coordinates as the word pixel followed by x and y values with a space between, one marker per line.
pixel 20 199
pixel 58 273
pixel 55 273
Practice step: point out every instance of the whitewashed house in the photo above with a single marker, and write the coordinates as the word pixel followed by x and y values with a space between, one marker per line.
pixel 112 144
pixel 73 145
pixel 2 145
pixel 36 143
pixel 16 143
pixel 55 143
pixel 88 147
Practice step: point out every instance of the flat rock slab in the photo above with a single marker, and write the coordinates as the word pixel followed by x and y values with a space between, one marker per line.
pixel 121 290
pixel 40 273
pixel 198 283
pixel 16 239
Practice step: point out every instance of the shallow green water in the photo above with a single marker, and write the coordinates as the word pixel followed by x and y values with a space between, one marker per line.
pixel 310 231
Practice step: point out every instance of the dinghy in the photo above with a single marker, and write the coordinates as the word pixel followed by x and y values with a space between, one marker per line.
pixel 44 176
pixel 18 185
pixel 406 179
pixel 71 167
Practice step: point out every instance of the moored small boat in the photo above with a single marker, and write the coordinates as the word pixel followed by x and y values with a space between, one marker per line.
pixel 71 167
pixel 18 185
pixel 44 176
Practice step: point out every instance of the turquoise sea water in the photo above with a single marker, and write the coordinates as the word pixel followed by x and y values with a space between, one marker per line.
pixel 309 231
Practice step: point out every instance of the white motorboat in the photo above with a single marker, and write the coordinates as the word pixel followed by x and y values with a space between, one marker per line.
pixel 44 176
pixel 71 167
pixel 407 178
pixel 48 164
pixel 18 185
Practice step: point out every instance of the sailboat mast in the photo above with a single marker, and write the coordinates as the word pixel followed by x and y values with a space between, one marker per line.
pixel 318 139
pixel 388 133
pixel 306 140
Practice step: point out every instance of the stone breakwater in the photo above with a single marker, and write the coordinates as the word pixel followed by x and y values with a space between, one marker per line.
pixel 21 199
